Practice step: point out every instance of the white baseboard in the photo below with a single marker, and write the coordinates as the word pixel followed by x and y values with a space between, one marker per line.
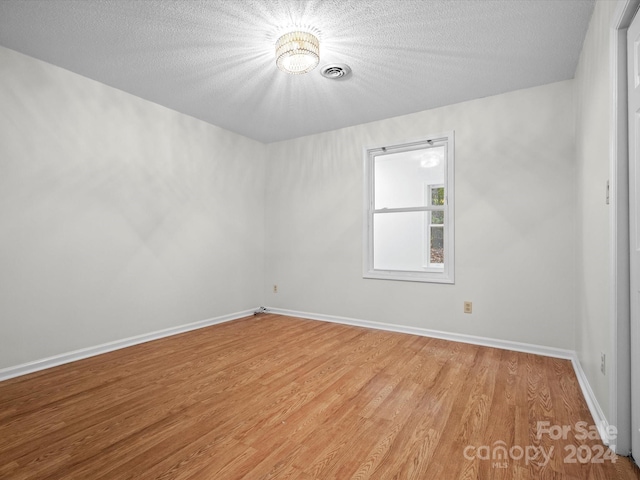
pixel 599 418
pixel 37 365
pixel 424 332
pixel 600 421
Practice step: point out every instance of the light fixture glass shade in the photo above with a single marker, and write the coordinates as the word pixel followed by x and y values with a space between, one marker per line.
pixel 297 52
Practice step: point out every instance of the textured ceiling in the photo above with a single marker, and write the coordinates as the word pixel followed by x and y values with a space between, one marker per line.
pixel 214 59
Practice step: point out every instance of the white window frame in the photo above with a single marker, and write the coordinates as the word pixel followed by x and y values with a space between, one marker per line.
pixel 444 274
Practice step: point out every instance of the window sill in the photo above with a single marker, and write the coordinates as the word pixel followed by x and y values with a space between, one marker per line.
pixel 424 277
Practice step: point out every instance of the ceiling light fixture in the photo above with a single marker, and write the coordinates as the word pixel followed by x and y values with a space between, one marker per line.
pixel 297 52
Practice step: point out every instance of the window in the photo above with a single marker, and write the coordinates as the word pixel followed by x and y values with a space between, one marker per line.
pixel 408 227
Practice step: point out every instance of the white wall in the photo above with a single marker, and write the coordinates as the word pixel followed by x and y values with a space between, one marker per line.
pixel 592 156
pixel 117 216
pixel 515 228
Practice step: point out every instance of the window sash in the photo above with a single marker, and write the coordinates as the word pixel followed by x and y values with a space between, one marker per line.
pixel 428 208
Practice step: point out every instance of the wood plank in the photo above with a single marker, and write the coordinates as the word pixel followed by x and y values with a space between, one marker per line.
pixel 280 397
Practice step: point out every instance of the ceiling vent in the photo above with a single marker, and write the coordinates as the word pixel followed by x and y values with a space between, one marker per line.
pixel 336 71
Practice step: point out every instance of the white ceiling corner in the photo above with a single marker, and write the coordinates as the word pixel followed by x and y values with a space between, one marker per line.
pixel 214 59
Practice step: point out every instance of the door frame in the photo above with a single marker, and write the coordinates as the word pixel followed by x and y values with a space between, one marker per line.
pixel 619 310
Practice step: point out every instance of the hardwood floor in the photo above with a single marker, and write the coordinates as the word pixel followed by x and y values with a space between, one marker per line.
pixel 280 397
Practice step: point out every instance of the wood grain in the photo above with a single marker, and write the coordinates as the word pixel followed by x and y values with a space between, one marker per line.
pixel 280 397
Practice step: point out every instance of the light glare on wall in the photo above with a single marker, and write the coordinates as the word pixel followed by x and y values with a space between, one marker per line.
pixel 431 158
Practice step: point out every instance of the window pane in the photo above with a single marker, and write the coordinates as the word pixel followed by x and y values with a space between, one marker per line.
pixel 399 241
pixel 436 255
pixel 400 178
pixel 437 196
pixel 437 218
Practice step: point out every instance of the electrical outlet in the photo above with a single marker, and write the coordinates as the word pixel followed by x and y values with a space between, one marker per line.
pixel 275 289
pixel 603 365
pixel 468 307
